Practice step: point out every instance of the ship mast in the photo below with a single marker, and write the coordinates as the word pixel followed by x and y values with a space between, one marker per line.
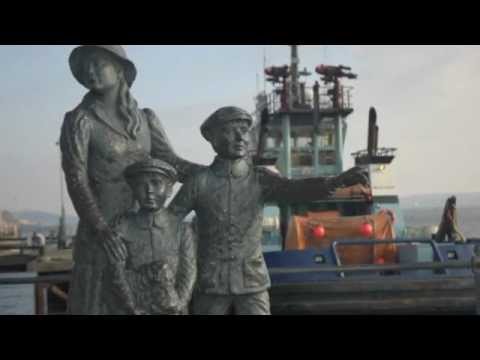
pixel 307 136
pixel 294 62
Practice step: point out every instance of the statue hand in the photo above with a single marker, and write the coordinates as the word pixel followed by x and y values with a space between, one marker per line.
pixel 113 245
pixel 166 301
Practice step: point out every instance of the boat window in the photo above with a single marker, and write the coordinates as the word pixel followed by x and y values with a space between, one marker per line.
pixel 303 142
pixel 302 151
pixel 327 140
pixel 270 143
pixel 327 157
pixel 302 159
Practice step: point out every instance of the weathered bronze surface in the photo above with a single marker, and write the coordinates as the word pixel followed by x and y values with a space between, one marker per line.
pixel 158 274
pixel 228 198
pixel 103 135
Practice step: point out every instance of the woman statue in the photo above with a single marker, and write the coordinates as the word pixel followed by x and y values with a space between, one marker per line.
pixel 100 138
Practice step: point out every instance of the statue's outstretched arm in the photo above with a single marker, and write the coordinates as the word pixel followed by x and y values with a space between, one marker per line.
pixel 162 149
pixel 281 189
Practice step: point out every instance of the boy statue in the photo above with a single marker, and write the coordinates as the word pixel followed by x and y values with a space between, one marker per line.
pixel 159 272
pixel 228 198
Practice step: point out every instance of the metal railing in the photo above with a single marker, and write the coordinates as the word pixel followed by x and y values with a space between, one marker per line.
pixel 21 247
pixel 43 284
pixel 440 264
pixel 364 242
pixel 474 265
pixel 49 282
pixel 33 280
pixel 274 102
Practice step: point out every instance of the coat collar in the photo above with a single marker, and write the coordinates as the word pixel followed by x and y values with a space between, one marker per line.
pixel 91 103
pixel 158 220
pixel 231 168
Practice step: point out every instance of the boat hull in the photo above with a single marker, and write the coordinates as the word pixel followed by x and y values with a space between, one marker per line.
pixel 444 295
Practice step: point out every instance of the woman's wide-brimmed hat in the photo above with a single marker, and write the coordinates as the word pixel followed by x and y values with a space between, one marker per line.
pixel 77 58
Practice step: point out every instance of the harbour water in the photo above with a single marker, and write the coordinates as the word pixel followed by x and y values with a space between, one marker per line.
pixel 16 299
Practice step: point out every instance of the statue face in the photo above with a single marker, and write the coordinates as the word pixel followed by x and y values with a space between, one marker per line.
pixel 151 191
pixel 230 141
pixel 101 72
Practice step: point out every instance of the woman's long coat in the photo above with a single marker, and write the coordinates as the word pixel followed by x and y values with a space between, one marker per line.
pixel 95 154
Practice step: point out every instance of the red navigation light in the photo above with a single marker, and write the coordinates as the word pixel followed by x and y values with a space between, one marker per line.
pixel 366 230
pixel 319 232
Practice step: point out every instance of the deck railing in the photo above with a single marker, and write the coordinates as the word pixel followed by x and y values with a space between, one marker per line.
pixel 276 102
pixel 45 283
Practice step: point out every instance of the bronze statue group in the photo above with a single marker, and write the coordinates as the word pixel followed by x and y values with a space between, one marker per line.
pixel 132 254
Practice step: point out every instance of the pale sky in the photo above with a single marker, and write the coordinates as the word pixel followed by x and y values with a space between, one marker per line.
pixel 425 97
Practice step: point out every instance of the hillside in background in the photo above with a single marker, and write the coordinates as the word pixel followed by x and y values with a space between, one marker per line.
pixel 42 218
pixel 420 201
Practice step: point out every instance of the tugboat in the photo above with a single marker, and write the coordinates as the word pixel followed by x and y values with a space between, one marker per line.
pixel 346 254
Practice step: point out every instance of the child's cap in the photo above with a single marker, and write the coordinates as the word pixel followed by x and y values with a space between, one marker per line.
pixel 151 165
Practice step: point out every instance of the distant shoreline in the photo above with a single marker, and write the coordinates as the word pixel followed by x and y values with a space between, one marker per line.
pixel 434 207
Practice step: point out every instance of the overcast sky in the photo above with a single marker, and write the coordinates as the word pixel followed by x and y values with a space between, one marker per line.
pixel 425 98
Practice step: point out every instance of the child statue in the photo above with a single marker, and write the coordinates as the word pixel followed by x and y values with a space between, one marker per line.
pixel 159 272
